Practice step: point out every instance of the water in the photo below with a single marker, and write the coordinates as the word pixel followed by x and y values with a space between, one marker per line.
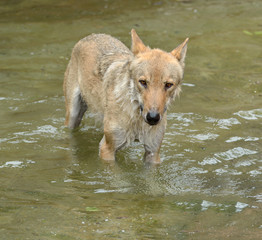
pixel 53 184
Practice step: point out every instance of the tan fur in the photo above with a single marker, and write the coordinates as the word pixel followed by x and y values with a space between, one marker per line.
pixel 130 89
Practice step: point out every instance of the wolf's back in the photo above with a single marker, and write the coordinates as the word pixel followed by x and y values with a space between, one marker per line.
pixel 106 44
pixel 102 49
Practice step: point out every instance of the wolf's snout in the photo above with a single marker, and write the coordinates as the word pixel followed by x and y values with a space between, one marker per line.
pixel 153 117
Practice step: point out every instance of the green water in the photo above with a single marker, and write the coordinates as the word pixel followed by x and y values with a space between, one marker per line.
pixel 53 184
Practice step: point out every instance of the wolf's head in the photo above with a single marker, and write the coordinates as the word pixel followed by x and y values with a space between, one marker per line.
pixel 157 76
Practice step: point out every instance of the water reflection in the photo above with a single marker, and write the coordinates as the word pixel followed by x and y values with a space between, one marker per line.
pixel 182 169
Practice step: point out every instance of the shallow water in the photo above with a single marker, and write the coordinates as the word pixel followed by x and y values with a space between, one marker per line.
pixel 53 184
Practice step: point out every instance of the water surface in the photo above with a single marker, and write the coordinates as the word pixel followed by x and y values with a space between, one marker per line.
pixel 53 184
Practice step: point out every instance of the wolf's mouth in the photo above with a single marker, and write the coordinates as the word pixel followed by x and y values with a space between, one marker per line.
pixel 152 123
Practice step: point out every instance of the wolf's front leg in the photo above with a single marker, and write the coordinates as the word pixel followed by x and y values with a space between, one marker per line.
pixel 152 157
pixel 107 148
pixel 112 141
pixel 152 143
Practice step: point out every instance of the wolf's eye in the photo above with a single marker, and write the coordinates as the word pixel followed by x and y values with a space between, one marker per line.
pixel 168 85
pixel 143 83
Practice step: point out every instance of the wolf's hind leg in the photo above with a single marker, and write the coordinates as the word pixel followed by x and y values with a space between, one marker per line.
pixel 76 110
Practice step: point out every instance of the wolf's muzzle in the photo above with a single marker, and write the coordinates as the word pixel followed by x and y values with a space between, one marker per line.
pixel 152 117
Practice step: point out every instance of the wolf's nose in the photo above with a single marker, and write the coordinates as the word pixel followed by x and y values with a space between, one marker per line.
pixel 153 117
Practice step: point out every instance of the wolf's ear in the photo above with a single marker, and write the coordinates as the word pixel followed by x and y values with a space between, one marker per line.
pixel 137 44
pixel 180 52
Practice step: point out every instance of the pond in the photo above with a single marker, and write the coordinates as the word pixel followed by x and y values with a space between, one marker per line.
pixel 53 184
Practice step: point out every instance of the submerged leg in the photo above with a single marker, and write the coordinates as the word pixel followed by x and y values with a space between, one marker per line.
pixel 113 140
pixel 152 157
pixel 153 143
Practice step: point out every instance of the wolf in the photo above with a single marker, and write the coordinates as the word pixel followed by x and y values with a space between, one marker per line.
pixel 130 89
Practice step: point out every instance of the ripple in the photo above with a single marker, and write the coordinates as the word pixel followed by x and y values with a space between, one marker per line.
pixel 196 170
pixel 234 153
pixel 226 123
pixel 220 171
pixel 13 164
pixel 240 206
pixel 16 164
pixel 206 204
pixel 47 129
pixel 181 117
pixel 250 115
pixel 223 123
pixel 251 139
pixel 245 163
pixel 247 139
pixel 258 197
pixel 40 101
pixel 4 140
pixel 101 190
pixel 209 161
pixel 203 137
pixel 234 139
pixel 188 84
pixel 227 156
pixel 255 173
pixel 11 99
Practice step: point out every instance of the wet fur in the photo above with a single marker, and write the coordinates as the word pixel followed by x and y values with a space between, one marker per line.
pixel 103 75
